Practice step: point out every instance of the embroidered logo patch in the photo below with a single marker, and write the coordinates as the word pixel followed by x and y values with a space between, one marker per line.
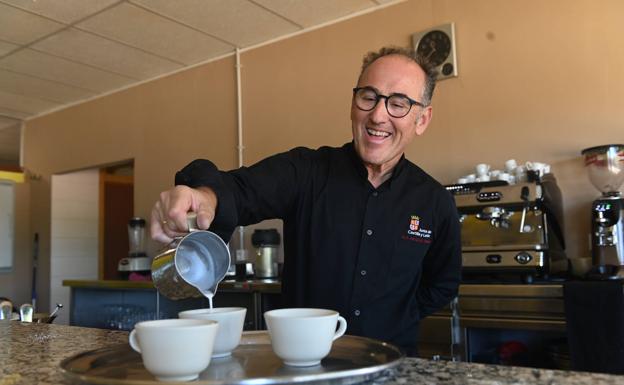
pixel 414 223
pixel 415 231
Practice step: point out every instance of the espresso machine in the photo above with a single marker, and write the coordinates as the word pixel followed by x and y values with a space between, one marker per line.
pixel 137 266
pixel 511 233
pixel 605 165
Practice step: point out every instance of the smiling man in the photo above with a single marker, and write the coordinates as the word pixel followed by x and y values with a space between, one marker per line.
pixel 366 232
pixel 382 130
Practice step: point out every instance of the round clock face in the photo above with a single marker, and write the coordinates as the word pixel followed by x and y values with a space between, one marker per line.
pixel 435 46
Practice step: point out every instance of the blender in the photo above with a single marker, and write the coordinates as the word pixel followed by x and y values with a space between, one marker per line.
pixel 137 266
pixel 605 165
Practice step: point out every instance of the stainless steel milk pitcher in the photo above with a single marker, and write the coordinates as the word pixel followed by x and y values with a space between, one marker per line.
pixel 192 265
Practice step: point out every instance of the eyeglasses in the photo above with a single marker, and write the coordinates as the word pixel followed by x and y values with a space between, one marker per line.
pixel 397 105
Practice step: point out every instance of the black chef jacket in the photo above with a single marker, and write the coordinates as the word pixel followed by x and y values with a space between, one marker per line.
pixel 383 257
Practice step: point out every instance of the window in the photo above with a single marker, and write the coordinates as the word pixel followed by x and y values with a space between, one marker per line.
pixel 7 223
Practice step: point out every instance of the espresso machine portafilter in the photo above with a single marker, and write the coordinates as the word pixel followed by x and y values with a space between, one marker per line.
pixel 605 165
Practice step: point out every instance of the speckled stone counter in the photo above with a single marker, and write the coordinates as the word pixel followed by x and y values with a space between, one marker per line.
pixel 31 354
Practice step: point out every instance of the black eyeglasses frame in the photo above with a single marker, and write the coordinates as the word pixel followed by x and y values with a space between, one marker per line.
pixel 386 97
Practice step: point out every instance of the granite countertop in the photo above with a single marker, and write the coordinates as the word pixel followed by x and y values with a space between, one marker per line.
pixel 31 354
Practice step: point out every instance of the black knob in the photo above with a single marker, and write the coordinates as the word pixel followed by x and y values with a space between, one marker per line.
pixel 263 237
pixel 137 222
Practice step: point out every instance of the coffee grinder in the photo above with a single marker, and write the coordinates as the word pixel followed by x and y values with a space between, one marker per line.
pixel 605 165
pixel 137 266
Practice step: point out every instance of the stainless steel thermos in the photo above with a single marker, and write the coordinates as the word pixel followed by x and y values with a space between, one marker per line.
pixel 266 242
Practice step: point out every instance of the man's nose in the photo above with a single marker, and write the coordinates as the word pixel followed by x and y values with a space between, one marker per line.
pixel 379 113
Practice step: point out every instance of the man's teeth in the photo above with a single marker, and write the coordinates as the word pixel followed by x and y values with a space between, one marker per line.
pixel 377 133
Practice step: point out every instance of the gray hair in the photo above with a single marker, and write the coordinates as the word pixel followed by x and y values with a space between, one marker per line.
pixel 429 70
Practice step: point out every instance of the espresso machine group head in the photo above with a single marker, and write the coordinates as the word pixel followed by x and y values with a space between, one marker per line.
pixel 605 165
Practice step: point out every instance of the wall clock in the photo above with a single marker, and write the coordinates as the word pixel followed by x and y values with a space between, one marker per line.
pixel 438 45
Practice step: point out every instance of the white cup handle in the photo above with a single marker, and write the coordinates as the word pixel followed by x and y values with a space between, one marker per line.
pixel 134 343
pixel 341 329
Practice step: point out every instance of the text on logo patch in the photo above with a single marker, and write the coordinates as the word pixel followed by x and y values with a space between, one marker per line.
pixel 415 232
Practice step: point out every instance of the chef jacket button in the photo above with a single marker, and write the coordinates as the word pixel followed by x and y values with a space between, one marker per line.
pixel 363 272
pixel 375 193
pixel 357 313
pixel 369 232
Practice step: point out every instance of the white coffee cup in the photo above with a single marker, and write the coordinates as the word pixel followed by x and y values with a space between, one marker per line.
pixel 510 165
pixel 538 167
pixel 174 349
pixel 471 178
pixel 482 169
pixel 231 321
pixel 303 337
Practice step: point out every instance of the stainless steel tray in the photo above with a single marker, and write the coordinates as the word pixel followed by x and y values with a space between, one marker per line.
pixel 351 360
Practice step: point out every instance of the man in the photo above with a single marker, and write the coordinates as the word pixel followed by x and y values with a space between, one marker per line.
pixel 366 232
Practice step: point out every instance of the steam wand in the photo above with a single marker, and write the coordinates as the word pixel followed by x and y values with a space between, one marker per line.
pixel 524 195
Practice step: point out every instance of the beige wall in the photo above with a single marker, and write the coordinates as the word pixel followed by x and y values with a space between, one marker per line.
pixel 538 80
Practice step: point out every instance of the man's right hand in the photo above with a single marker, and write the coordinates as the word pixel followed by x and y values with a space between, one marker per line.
pixel 168 219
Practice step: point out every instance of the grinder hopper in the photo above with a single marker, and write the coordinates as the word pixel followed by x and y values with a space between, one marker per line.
pixel 605 166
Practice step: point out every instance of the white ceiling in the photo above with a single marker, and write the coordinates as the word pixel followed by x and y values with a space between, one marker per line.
pixel 54 53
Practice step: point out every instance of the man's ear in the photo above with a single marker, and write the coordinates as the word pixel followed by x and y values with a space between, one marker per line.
pixel 423 119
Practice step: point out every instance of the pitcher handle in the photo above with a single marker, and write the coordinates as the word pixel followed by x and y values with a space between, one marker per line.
pixel 191 221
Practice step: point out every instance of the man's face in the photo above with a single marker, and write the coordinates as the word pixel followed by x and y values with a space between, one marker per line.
pixel 379 138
